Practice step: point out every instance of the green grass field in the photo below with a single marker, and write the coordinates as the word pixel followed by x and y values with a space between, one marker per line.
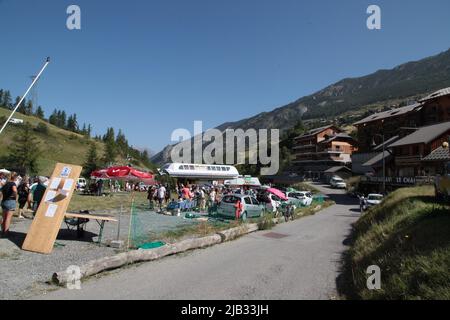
pixel 408 237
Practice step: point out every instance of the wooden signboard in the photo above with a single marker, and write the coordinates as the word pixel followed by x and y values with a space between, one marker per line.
pixel 50 215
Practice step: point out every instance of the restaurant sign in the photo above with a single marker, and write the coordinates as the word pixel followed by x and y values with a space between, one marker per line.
pixel 390 180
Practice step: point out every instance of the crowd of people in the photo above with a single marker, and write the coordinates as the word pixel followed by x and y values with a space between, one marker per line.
pixel 189 197
pixel 18 195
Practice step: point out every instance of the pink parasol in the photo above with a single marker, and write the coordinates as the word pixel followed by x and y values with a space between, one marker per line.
pixel 278 193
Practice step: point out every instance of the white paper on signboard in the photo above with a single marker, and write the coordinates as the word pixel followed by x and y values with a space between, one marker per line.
pixel 66 172
pixel 68 184
pixel 50 196
pixel 55 183
pixel 51 211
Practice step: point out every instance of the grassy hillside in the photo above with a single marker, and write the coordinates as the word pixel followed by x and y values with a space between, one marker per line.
pixel 408 238
pixel 57 145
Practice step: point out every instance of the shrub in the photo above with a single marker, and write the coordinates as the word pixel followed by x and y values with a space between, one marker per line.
pixel 41 128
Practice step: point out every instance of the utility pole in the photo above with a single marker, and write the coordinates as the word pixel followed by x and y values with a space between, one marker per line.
pixel 47 61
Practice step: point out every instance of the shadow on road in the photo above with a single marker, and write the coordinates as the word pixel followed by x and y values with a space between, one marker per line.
pixel 18 238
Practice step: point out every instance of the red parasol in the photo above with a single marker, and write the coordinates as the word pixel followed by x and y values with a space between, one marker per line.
pixel 124 173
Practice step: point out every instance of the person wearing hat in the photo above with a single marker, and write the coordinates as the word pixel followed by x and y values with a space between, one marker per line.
pixel 9 193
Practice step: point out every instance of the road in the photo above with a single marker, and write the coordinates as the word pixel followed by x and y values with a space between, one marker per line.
pixel 301 262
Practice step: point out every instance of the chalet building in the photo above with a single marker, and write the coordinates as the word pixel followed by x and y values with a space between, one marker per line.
pixel 436 107
pixel 401 122
pixel 321 149
pixel 412 138
pixel 414 153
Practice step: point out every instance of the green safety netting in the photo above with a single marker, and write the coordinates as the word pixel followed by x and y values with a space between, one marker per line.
pixel 140 227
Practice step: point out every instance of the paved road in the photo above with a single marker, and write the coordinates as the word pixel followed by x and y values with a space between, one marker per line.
pixel 302 265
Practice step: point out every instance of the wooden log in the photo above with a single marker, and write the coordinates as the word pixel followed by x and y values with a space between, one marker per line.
pixel 234 233
pixel 108 263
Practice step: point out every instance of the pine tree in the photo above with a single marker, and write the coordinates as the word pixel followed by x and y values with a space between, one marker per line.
pixel 22 108
pixel 25 151
pixel 62 119
pixel 1 98
pixel 89 131
pixel 92 161
pixel 53 119
pixel 72 124
pixel 110 153
pixel 7 100
pixel 121 141
pixel 39 113
pixel 28 107
pixel 109 136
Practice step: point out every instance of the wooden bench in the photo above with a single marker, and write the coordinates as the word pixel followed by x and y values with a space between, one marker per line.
pixel 101 220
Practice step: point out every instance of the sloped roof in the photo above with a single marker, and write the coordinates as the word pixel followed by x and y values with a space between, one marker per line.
pixel 316 131
pixel 378 159
pixel 440 154
pixel 339 135
pixel 423 135
pixel 437 94
pixel 387 143
pixel 336 169
pixel 391 113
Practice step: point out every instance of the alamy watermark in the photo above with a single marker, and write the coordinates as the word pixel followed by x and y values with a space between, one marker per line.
pixel 374 277
pixel 73 21
pixel 228 147
pixel 73 278
pixel 374 20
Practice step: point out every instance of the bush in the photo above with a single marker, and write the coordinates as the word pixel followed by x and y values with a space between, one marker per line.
pixel 41 128
pixel 266 223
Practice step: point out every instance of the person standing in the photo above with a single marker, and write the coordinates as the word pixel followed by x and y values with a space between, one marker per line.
pixel 238 209
pixel 202 197
pixel 212 198
pixel 362 202
pixel 150 197
pixel 161 196
pixel 38 194
pixel 9 193
pixel 99 187
pixel 23 191
pixel 186 193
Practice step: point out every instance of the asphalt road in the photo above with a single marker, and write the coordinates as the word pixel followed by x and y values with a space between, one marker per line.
pixel 301 262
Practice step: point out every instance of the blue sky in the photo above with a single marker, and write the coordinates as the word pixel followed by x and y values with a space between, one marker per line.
pixel 149 67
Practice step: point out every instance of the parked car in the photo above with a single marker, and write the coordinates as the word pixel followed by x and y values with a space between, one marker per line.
pixel 372 199
pixel 304 198
pixel 338 183
pixel 251 208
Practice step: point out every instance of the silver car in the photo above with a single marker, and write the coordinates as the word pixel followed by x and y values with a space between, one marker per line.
pixel 251 208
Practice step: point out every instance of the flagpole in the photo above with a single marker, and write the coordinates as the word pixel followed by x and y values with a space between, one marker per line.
pixel 26 93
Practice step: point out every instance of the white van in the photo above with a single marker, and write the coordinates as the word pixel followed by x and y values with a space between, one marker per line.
pixel 81 184
pixel 16 121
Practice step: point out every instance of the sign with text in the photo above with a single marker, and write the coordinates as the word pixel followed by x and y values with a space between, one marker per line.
pixel 49 217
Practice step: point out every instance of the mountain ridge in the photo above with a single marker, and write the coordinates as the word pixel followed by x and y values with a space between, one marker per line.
pixel 408 80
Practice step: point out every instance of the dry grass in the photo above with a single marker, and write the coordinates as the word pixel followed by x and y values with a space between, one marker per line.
pixel 408 237
pixel 108 203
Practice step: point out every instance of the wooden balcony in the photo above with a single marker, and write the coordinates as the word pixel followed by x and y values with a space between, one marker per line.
pixel 407 160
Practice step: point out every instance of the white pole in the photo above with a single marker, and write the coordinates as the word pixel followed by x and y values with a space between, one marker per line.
pixel 26 93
